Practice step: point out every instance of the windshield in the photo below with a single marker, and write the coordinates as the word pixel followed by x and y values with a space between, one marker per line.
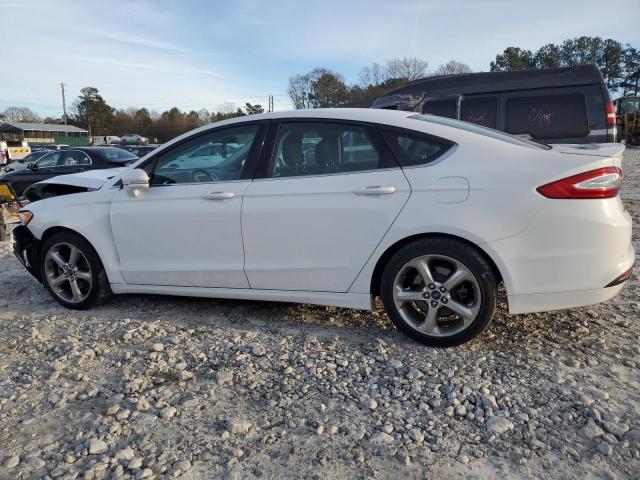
pixel 117 155
pixel 485 131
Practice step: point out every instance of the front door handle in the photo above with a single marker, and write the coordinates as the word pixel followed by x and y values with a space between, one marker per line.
pixel 375 190
pixel 218 196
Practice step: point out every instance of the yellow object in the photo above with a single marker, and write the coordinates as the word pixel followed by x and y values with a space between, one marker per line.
pixel 6 192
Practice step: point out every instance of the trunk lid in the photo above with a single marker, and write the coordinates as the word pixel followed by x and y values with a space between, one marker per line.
pixel 604 150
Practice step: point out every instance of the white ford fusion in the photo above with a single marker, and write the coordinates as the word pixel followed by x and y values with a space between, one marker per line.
pixel 335 207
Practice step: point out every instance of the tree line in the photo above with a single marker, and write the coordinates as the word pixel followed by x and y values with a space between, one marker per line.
pixel 324 88
pixel 91 112
pixel 619 64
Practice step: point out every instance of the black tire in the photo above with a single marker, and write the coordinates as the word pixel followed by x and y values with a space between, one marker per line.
pixel 99 289
pixel 468 256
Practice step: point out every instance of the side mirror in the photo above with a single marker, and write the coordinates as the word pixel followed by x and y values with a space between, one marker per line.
pixel 135 181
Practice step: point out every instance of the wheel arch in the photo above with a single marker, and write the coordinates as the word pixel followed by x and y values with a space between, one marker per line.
pixel 48 233
pixel 376 277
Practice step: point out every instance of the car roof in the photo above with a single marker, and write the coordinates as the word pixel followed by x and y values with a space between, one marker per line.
pixel 490 82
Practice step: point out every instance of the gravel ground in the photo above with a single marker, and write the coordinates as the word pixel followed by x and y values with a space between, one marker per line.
pixel 163 387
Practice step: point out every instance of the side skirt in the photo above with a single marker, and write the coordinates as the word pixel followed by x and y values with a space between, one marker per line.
pixel 362 301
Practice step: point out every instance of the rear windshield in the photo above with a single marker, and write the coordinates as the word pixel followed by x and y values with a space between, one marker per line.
pixel 117 155
pixel 487 132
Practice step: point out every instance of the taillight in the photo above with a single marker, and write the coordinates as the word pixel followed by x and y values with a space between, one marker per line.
pixel 611 114
pixel 601 183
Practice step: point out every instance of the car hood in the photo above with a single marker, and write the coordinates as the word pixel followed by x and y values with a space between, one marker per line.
pixel 91 179
pixel 14 167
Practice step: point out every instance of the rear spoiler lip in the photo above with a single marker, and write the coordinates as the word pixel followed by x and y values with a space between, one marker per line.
pixel 604 150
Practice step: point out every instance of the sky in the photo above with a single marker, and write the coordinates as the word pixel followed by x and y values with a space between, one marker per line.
pixel 201 54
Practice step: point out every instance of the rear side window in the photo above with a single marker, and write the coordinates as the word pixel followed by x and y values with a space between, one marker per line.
pixel 413 150
pixel 547 116
pixel 442 108
pixel 72 157
pixel 318 148
pixel 480 110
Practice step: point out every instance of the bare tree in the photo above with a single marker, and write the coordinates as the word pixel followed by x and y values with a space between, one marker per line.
pixel 320 88
pixel 227 108
pixel 21 114
pixel 374 74
pixel 452 67
pixel 407 68
pixel 300 88
pixel 204 116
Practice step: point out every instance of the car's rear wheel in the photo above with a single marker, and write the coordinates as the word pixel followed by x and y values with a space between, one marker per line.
pixel 439 291
pixel 72 272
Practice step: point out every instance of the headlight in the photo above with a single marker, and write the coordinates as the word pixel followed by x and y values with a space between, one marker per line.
pixel 25 217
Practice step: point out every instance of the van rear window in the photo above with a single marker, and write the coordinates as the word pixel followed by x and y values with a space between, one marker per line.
pixel 481 110
pixel 442 108
pixel 547 116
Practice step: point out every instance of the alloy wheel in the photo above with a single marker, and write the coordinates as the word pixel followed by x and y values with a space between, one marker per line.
pixel 437 295
pixel 68 273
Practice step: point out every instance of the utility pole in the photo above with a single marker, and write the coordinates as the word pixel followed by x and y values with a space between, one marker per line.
pixel 64 105
pixel 270 107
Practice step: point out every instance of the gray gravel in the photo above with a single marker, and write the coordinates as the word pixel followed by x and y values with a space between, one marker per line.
pixel 162 387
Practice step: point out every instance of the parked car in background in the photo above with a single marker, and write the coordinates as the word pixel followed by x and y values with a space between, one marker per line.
pixel 140 150
pixel 13 150
pixel 105 140
pixel 557 105
pixel 22 163
pixel 335 207
pixel 47 146
pixel 133 139
pixel 63 162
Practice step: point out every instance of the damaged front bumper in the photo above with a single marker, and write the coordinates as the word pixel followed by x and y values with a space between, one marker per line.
pixel 26 248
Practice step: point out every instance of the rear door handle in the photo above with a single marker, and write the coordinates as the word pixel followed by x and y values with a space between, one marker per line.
pixel 218 196
pixel 375 190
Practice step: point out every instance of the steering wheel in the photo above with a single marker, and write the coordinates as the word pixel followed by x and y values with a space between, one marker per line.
pixel 199 175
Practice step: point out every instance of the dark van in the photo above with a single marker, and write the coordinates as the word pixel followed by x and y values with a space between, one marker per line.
pixel 556 105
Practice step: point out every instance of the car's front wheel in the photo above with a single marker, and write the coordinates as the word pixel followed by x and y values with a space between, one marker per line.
pixel 72 272
pixel 439 291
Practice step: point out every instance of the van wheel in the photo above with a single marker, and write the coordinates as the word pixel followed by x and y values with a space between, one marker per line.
pixel 439 291
pixel 72 272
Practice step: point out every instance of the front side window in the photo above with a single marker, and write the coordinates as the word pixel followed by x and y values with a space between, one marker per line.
pixel 49 161
pixel 216 156
pixel 317 148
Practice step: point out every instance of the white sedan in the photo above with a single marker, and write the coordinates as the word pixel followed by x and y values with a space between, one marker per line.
pixel 336 207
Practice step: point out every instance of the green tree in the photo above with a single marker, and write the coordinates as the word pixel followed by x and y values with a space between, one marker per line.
pixel 329 91
pixel 630 83
pixel 513 58
pixel 320 88
pixel 92 112
pixel 142 121
pixel 548 56
pixel 253 109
